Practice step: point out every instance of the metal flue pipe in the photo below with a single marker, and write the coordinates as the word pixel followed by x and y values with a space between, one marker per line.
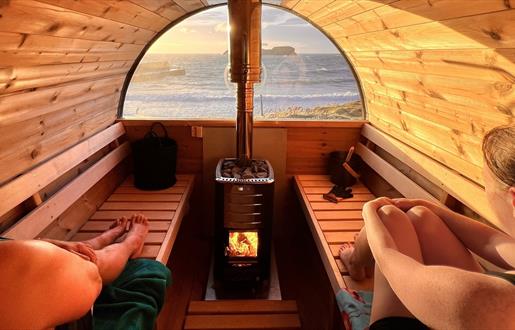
pixel 245 68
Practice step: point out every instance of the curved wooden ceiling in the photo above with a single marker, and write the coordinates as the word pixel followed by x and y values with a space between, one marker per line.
pixel 436 74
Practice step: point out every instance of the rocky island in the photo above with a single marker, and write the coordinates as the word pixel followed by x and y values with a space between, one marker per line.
pixel 277 51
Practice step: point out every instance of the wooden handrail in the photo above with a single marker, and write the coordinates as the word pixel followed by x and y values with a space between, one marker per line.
pixel 396 178
pixel 25 186
pixel 466 191
pixel 36 221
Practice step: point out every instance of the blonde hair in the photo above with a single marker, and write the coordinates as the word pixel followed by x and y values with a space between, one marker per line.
pixel 499 153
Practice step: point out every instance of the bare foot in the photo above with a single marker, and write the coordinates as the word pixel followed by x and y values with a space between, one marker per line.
pixel 117 229
pixel 137 234
pixel 357 272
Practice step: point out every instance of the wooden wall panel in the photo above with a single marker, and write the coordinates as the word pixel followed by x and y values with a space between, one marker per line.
pixel 189 154
pixel 306 151
pixel 435 74
pixel 308 148
pixel 62 67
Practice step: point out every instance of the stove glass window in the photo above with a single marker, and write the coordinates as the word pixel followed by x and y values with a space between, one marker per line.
pixel 242 244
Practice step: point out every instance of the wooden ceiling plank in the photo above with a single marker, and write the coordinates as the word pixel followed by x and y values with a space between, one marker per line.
pixel 478 64
pixel 10 41
pixel 479 121
pixel 22 78
pixel 451 160
pixel 165 8
pixel 36 18
pixel 492 30
pixel 22 106
pixel 21 159
pixel 14 58
pixel 122 11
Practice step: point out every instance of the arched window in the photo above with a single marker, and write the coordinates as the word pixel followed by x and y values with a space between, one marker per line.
pixel 183 75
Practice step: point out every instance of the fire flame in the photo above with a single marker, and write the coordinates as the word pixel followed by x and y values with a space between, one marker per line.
pixel 243 244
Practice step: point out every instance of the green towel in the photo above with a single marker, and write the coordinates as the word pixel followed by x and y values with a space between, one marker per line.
pixel 134 299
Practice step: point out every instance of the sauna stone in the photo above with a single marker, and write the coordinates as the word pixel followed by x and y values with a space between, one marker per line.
pixel 256 169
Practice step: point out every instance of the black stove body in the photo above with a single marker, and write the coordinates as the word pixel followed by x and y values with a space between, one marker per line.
pixel 243 233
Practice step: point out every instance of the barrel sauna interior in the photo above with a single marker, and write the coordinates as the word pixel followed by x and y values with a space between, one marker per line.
pixel 435 75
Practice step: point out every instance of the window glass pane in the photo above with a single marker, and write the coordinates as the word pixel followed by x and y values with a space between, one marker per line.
pixel 184 74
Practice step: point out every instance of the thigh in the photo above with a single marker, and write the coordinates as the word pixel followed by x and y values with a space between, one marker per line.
pixel 43 285
pixel 438 243
pixel 385 302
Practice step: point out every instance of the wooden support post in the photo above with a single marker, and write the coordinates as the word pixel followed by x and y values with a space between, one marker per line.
pixel 451 202
pixel 115 144
pixel 36 199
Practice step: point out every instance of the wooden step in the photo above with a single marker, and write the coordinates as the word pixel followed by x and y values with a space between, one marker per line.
pixel 242 314
pixel 242 307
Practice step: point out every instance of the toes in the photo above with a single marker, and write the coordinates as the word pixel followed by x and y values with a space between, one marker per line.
pixel 115 223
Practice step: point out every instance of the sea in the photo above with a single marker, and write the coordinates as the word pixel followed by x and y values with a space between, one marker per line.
pixel 303 81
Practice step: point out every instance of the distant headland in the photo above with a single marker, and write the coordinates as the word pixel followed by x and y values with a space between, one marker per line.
pixel 280 50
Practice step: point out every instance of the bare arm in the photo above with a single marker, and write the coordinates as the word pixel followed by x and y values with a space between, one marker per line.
pixel 441 297
pixel 487 242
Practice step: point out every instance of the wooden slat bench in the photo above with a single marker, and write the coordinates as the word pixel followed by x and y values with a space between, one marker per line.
pixel 164 208
pixel 333 224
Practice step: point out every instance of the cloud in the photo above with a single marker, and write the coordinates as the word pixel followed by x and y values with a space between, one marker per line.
pixel 221 27
pixel 273 17
pixel 186 29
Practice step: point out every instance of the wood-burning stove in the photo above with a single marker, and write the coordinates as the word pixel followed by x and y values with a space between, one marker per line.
pixel 243 220
pixel 244 186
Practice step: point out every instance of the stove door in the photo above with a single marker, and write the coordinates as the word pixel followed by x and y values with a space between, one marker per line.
pixel 242 244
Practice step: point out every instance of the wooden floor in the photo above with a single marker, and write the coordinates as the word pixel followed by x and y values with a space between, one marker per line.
pixel 242 314
pixel 333 224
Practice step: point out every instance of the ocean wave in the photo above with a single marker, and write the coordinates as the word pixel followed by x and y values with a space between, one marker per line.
pixel 207 97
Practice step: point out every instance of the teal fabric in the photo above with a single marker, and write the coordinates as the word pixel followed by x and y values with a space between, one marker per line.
pixel 355 307
pixel 134 299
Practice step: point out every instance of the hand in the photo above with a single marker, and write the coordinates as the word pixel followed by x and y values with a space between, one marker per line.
pixel 81 249
pixel 378 202
pixel 374 205
pixel 407 203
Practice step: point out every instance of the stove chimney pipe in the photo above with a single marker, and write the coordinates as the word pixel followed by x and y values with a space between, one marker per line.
pixel 245 68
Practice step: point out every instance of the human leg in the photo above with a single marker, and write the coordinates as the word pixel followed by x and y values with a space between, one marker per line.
pixel 43 285
pixel 117 229
pixel 112 259
pixel 385 302
pixel 449 251
pixel 357 257
pixel 86 248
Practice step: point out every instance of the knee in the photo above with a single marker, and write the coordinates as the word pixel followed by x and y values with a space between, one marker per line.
pixel 82 291
pixel 420 214
pixel 389 213
pixel 424 220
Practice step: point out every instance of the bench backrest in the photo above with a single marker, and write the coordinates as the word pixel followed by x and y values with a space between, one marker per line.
pixel 29 184
pixel 469 193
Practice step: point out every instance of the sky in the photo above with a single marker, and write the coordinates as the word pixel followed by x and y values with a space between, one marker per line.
pixel 206 33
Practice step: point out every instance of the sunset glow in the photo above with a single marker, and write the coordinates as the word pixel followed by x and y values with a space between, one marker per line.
pixel 206 33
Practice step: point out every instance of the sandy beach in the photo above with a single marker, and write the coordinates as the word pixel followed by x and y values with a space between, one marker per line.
pixel 347 111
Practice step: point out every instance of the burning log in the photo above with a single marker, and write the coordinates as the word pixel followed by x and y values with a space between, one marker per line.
pixel 243 244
